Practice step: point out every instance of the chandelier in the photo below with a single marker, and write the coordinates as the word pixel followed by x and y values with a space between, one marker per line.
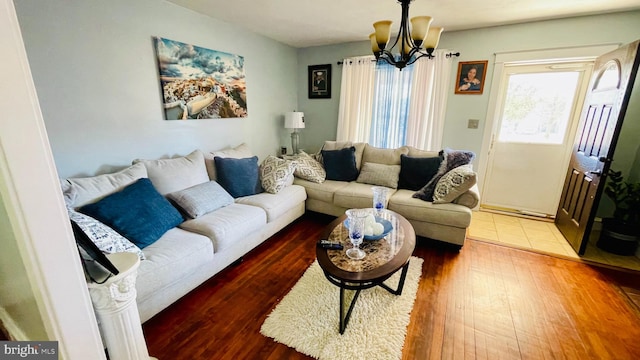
pixel 421 41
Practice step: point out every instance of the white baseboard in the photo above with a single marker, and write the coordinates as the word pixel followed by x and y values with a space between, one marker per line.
pixel 10 327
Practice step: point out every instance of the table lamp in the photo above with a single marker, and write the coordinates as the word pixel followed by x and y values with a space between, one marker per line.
pixel 294 120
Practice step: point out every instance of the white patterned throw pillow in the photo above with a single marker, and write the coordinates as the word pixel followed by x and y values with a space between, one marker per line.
pixel 308 168
pixel 274 173
pixel 453 184
pixel 105 238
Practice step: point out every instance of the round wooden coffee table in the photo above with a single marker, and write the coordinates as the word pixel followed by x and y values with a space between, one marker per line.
pixel 383 259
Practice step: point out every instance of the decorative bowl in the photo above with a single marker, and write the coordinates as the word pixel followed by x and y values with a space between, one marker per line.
pixel 385 223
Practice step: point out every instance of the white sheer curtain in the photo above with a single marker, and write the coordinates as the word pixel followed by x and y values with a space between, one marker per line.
pixel 427 109
pixel 356 99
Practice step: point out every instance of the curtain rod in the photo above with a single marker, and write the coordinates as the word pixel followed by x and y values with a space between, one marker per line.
pixel 456 54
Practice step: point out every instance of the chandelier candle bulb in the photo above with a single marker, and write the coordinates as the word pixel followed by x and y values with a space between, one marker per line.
pixel 383 33
pixel 419 28
pixel 374 43
pixel 433 38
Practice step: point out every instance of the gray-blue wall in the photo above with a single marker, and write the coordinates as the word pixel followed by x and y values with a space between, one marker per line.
pixel 321 114
pixel 94 68
pixel 93 64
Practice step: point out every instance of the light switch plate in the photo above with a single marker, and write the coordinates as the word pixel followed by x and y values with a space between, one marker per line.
pixel 473 123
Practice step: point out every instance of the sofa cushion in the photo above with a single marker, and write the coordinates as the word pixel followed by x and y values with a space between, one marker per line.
pixel 403 202
pixel 356 195
pixel 170 175
pixel 379 174
pixel 452 159
pixel 415 172
pixel 239 152
pixel 383 156
pixel 105 238
pixel 201 199
pixel 453 184
pixel 415 152
pixel 275 173
pixel 337 145
pixel 228 225
pixel 172 258
pixel 340 164
pixel 240 177
pixel 138 212
pixel 308 168
pixel 276 205
pixel 94 188
pixel 323 192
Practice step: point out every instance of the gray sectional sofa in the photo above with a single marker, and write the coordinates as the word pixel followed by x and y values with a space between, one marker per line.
pixel 204 244
pixel 446 222
pixel 189 254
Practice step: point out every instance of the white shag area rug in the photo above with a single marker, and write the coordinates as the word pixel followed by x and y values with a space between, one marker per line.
pixel 307 318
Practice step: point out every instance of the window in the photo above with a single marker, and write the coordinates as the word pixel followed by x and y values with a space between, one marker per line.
pixel 537 103
pixel 391 99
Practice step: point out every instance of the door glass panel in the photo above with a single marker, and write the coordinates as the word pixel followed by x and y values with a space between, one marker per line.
pixel 538 107
pixel 609 78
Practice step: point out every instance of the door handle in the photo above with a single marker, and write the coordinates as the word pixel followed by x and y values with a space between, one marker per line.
pixel 596 173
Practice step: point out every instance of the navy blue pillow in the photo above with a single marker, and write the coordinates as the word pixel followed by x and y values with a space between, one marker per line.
pixel 415 172
pixel 240 177
pixel 340 164
pixel 138 212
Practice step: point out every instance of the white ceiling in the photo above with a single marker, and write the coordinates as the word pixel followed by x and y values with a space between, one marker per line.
pixel 302 23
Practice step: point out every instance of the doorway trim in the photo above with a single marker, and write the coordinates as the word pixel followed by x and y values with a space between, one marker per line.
pixel 580 53
pixel 35 209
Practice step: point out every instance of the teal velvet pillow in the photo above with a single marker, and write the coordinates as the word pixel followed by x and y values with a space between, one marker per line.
pixel 240 177
pixel 138 212
pixel 340 165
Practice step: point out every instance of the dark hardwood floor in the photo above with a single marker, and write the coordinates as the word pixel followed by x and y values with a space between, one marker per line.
pixel 484 302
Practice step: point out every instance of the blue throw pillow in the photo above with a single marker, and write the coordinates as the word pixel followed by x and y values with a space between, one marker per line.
pixel 340 164
pixel 415 172
pixel 240 177
pixel 138 212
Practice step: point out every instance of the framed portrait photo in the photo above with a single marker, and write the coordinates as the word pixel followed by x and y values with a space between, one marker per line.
pixel 471 76
pixel 320 81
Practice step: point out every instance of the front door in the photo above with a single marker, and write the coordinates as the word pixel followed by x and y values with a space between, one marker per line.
pixel 539 107
pixel 600 123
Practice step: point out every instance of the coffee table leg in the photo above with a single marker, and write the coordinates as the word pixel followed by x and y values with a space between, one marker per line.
pixel 403 276
pixel 344 319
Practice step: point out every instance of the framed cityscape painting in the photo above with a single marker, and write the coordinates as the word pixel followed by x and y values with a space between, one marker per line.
pixel 199 83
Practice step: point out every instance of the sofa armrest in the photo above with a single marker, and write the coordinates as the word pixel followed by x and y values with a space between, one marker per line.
pixel 470 198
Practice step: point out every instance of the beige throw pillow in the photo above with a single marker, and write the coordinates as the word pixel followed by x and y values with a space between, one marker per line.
pixel 379 174
pixel 241 151
pixel 373 154
pixel 453 184
pixel 170 175
pixel 91 189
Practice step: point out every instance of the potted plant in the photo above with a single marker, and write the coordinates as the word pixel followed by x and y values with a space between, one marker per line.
pixel 621 233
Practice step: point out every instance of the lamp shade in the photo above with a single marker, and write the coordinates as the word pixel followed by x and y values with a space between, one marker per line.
pixel 294 120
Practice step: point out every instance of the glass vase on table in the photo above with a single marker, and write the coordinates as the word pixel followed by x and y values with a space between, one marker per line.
pixel 356 232
pixel 379 198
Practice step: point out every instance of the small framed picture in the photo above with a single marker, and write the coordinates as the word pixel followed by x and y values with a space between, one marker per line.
pixel 320 81
pixel 471 75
